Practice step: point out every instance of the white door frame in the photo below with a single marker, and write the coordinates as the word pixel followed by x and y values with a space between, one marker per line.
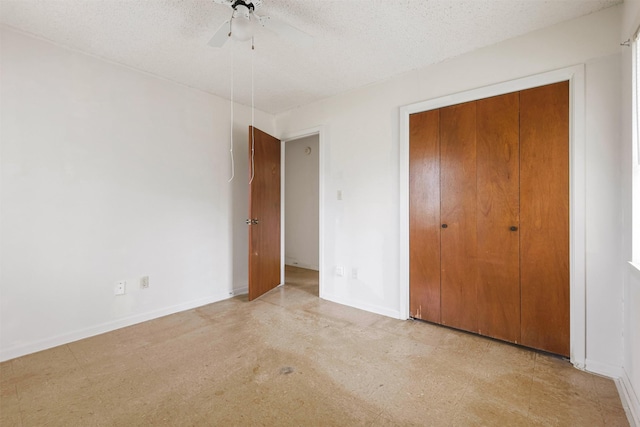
pixel 318 130
pixel 577 188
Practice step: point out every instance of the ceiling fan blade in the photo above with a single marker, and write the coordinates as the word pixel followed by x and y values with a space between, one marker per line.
pixel 221 36
pixel 285 30
pixel 224 2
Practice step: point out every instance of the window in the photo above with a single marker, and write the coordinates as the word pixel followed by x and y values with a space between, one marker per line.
pixel 636 98
pixel 635 121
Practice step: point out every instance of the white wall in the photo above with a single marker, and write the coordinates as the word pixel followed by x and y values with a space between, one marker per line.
pixel 109 174
pixel 302 202
pixel 631 275
pixel 603 220
pixel 362 159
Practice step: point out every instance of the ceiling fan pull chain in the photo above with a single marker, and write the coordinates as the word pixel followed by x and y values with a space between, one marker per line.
pixel 233 168
pixel 253 142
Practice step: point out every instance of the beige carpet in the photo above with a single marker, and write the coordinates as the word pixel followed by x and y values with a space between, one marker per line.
pixel 290 358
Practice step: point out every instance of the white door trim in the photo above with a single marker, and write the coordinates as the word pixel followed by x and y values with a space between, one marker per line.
pixel 318 130
pixel 577 188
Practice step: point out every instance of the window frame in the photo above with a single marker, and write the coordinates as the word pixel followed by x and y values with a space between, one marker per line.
pixel 635 78
pixel 635 144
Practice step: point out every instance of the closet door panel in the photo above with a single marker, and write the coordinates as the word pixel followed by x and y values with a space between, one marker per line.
pixel 544 217
pixel 498 217
pixel 458 212
pixel 424 215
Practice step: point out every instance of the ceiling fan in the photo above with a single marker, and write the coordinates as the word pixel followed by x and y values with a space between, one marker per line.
pixel 244 20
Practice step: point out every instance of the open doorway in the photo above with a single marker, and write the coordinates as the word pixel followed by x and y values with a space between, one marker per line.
pixel 302 212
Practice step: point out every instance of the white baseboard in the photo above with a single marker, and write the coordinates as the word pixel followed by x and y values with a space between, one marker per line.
pixel 35 346
pixel 241 291
pixel 630 399
pixel 603 369
pixel 303 265
pixel 366 307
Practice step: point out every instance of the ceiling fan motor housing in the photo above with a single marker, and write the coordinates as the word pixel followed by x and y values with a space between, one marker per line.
pixel 248 5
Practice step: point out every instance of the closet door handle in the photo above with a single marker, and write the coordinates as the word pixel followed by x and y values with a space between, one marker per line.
pixel 513 228
pixel 444 225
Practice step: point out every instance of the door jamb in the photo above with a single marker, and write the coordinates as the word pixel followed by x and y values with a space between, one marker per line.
pixel 318 130
pixel 577 188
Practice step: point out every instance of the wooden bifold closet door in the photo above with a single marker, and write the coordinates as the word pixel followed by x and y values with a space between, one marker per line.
pixel 544 185
pixel 489 217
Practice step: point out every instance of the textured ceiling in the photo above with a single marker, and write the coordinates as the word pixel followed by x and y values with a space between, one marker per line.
pixel 356 42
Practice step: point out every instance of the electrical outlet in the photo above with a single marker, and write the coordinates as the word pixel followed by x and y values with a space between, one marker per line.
pixel 144 282
pixel 121 287
pixel 340 271
pixel 354 273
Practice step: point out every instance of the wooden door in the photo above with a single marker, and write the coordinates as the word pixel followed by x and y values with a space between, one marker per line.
pixel 264 211
pixel 544 217
pixel 499 263
pixel 424 215
pixel 497 219
pixel 458 239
